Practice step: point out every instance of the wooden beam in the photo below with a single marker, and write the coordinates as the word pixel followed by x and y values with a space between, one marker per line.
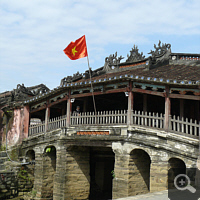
pixel 181 96
pixel 162 94
pixel 38 109
pixel 58 101
pixel 100 93
pixel 148 92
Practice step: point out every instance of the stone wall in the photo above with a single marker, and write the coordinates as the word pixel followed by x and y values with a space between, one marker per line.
pixel 142 160
pixel 16 183
pixel 77 173
pixel 8 185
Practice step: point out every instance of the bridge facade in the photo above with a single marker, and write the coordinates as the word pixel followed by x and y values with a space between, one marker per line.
pixel 137 120
pixel 107 161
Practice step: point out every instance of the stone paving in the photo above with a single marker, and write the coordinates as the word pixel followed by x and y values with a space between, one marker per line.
pixel 163 195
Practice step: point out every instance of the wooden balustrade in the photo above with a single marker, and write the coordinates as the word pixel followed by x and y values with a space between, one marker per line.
pixel 36 128
pixel 57 122
pixel 186 126
pixel 148 119
pixel 102 118
pixel 119 117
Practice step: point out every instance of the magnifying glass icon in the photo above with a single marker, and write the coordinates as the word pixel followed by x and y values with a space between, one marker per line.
pixel 185 182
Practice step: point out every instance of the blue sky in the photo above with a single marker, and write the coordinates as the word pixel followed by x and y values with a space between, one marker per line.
pixel 34 33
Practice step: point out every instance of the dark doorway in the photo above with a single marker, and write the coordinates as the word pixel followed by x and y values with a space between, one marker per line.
pixel 176 166
pixel 101 170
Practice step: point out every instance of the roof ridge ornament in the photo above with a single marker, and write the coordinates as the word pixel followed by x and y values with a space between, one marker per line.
pixel 160 50
pixel 135 55
pixel 77 76
pixel 111 61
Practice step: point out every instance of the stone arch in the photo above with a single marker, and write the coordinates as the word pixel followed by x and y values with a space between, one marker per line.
pixel 176 166
pixel 30 155
pixel 49 169
pixel 139 172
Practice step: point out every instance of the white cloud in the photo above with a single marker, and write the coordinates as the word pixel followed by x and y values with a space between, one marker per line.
pixel 33 33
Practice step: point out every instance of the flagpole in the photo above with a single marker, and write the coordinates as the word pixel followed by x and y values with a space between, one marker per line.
pixel 92 89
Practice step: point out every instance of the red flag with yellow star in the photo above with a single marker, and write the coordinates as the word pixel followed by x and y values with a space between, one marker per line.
pixel 77 49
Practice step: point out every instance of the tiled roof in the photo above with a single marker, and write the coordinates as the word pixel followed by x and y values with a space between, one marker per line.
pixel 178 72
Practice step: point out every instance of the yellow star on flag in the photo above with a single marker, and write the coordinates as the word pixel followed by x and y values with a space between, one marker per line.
pixel 77 49
pixel 74 50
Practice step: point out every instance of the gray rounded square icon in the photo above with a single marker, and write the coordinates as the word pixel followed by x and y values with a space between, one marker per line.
pixel 183 184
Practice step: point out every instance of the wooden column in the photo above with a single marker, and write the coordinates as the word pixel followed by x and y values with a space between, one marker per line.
pixel 181 108
pixel 145 102
pixel 130 104
pixel 47 117
pixel 167 109
pixel 69 110
pixel 26 120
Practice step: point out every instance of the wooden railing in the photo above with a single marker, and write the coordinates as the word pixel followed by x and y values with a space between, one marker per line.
pixel 102 118
pixel 36 128
pixel 120 117
pixel 57 122
pixel 187 126
pixel 148 119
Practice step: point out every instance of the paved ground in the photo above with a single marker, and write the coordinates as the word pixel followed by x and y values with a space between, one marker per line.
pixel 163 195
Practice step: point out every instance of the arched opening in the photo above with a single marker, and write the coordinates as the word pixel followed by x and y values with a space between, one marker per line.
pixel 29 170
pixel 139 172
pixel 49 169
pixel 175 167
pixel 101 173
pixel 30 155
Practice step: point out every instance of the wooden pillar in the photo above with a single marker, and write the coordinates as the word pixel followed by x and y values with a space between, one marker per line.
pixel 167 109
pixel 69 110
pixel 145 102
pixel 26 120
pixel 47 117
pixel 181 108
pixel 130 104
